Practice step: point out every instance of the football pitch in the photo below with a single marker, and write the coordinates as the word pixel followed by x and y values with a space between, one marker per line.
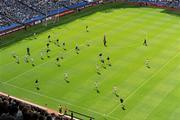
pixel 151 93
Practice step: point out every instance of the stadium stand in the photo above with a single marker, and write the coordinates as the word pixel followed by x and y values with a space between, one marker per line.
pixel 15 109
pixel 163 3
pixel 5 21
pixel 21 12
pixel 15 13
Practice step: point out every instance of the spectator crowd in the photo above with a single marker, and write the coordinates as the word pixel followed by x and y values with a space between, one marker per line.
pixel 167 3
pixel 20 11
pixel 13 109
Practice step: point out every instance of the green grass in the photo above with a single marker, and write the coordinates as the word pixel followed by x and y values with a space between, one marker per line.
pixel 151 94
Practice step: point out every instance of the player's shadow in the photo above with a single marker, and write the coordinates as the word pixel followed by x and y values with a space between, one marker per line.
pixel 98 73
pixel 98 91
pixel 67 81
pixel 117 95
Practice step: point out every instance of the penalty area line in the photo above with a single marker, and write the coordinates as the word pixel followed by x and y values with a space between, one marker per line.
pixel 59 100
pixel 144 82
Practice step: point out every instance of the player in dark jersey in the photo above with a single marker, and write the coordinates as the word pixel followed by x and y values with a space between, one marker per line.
pixel 87 29
pixel 47 52
pixel 102 60
pixel 57 43
pixel 145 43
pixel 121 100
pixel 123 107
pixel 49 38
pixel 77 49
pixel 105 41
pixel 47 45
pixel 37 84
pixel 108 61
pixel 28 51
pixel 58 62
pixel 64 46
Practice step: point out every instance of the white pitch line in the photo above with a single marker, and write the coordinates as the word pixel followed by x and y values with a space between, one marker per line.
pixel 99 24
pixel 58 100
pixel 36 66
pixel 29 71
pixel 133 45
pixel 54 57
pixel 144 82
